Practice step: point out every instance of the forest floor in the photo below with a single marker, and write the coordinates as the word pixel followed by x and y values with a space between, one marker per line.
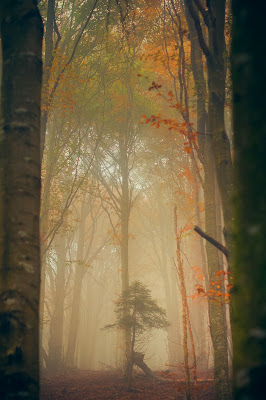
pixel 107 385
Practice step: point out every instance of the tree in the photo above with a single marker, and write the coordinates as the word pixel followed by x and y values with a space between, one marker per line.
pixel 249 304
pixel 216 152
pixel 55 344
pixel 143 315
pixel 213 16
pixel 21 35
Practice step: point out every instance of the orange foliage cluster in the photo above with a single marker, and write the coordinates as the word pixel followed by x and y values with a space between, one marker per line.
pixel 214 292
pixel 116 238
pixel 190 199
pixel 186 229
pixel 198 273
pixel 171 123
pixel 188 174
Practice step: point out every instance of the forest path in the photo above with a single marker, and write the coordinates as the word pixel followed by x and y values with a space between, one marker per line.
pixel 107 385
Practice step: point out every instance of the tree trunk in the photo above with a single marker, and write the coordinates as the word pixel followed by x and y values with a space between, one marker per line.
pixel 227 307
pixel 218 331
pixel 21 35
pixel 249 300
pixel 139 361
pixel 49 48
pixel 170 292
pixel 184 305
pixel 216 124
pixel 75 309
pixel 214 52
pixel 125 211
pixel 55 351
pixel 216 90
pixel 132 346
pixel 44 226
pixel 193 350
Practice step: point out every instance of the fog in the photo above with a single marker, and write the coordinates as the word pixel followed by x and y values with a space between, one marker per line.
pixel 127 174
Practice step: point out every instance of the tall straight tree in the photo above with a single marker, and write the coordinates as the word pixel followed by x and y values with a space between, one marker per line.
pixel 21 35
pixel 213 17
pixel 249 301
pixel 216 309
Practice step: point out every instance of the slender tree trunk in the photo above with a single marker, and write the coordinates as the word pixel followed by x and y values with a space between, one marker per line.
pixel 125 211
pixel 193 350
pixel 48 58
pixel 75 309
pixel 21 35
pixel 44 227
pixel 184 306
pixel 55 351
pixel 132 347
pixel 170 295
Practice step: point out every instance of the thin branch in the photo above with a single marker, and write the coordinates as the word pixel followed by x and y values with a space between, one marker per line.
pixel 204 12
pixel 72 55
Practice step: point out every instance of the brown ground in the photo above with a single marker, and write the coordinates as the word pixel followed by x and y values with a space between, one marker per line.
pixel 107 385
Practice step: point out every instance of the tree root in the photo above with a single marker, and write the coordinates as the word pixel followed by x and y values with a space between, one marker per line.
pixel 139 361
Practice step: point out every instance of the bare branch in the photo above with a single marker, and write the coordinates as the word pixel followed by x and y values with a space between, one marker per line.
pixel 204 12
pixel 211 240
pixel 72 55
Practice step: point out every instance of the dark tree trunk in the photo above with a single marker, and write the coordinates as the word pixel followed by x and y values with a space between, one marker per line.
pixel 21 35
pixel 207 145
pixel 249 300
pixel 49 48
pixel 214 52
pixel 216 124
pixel 217 322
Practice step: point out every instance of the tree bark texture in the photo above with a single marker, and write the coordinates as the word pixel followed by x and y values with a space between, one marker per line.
pixel 249 105
pixel 210 149
pixel 216 125
pixel 217 322
pixel 21 34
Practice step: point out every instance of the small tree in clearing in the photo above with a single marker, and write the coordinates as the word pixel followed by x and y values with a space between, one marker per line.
pixel 138 312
